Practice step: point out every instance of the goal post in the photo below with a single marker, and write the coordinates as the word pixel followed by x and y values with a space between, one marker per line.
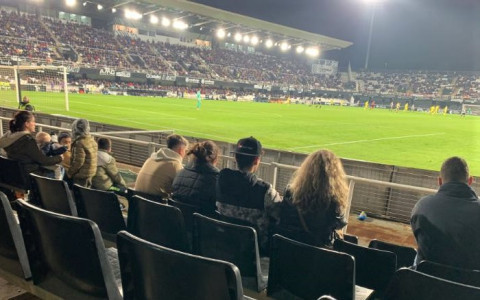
pixel 472 109
pixel 45 86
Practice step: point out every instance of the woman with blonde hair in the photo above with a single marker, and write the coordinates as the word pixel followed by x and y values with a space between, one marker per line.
pixel 195 184
pixel 315 201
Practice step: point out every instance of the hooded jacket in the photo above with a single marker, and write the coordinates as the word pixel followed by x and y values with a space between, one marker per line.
pixel 83 161
pixel 107 172
pixel 21 146
pixel 158 171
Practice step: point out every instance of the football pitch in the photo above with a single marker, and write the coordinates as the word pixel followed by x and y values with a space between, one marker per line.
pixel 409 139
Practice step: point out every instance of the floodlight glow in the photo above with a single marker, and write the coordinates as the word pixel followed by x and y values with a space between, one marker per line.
pixel 300 49
pixel 229 34
pixel 166 22
pixel 284 46
pixel 99 7
pixel 132 14
pixel 114 10
pixel 269 43
pixel 70 3
pixel 153 19
pixel 179 24
pixel 254 40
pixel 221 33
pixel 373 1
pixel 312 51
pixel 238 37
pixel 84 4
pixel 246 38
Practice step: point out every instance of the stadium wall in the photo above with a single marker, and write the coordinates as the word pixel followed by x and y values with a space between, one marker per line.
pixel 382 202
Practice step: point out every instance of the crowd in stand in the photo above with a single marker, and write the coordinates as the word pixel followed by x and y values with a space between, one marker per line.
pixel 29 36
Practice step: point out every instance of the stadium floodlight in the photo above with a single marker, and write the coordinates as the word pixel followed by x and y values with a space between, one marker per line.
pixel 312 51
pixel 166 22
pixel 269 43
pixel 179 24
pixel 221 33
pixel 229 34
pixel 99 7
pixel 300 49
pixel 153 19
pixel 284 46
pixel 254 40
pixel 132 14
pixel 70 3
pixel 114 10
pixel 238 37
pixel 246 38
pixel 85 3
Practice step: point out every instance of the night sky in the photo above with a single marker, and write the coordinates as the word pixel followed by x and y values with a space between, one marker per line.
pixel 407 34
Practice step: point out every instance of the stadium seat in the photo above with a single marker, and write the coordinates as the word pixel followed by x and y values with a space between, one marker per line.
pixel 101 207
pixel 13 176
pixel 52 194
pixel 405 255
pixel 464 276
pixel 374 268
pixel 156 198
pixel 150 271
pixel 67 255
pixel 408 284
pixel 13 256
pixel 350 238
pixel 233 243
pixel 157 223
pixel 308 272
pixel 187 210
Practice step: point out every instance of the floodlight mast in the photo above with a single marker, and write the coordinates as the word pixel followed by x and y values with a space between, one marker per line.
pixel 373 3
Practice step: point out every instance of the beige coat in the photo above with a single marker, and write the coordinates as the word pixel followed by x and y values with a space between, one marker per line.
pixel 158 171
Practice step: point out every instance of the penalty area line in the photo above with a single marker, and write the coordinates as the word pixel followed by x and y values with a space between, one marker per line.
pixel 370 140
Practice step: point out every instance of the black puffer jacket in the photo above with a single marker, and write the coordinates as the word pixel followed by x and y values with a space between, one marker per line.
pixel 195 184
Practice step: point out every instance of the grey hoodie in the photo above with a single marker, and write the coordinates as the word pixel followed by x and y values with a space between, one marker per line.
pixel 80 127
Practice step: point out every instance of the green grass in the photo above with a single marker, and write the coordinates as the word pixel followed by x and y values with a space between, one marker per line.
pixel 409 139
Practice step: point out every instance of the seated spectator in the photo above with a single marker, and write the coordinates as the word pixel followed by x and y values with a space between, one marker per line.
pixel 157 173
pixel 20 145
pixel 195 184
pixel 240 194
pixel 314 203
pixel 49 148
pixel 107 177
pixel 83 162
pixel 65 139
pixel 447 225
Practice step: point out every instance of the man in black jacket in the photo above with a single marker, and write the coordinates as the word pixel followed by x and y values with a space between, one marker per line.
pixel 240 194
pixel 447 225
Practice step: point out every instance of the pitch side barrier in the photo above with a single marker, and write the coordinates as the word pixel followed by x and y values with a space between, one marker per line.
pixel 382 191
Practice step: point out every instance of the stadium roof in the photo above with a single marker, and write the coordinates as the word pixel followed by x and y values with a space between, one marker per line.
pixel 214 18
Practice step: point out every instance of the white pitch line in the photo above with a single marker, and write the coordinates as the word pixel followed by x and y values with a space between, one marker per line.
pixel 371 140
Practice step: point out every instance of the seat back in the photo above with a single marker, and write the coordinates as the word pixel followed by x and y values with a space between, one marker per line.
pixel 350 238
pixel 187 210
pixel 405 255
pixel 150 271
pixel 157 223
pixel 154 198
pixel 13 175
pixel 374 268
pixel 464 276
pixel 13 256
pixel 101 207
pixel 309 272
pixel 66 254
pixel 52 194
pixel 229 242
pixel 408 284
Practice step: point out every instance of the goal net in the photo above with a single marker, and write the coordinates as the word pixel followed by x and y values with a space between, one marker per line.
pixel 45 87
pixel 472 109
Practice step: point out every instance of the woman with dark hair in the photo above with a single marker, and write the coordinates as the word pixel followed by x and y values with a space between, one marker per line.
pixel 195 184
pixel 315 201
pixel 19 144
